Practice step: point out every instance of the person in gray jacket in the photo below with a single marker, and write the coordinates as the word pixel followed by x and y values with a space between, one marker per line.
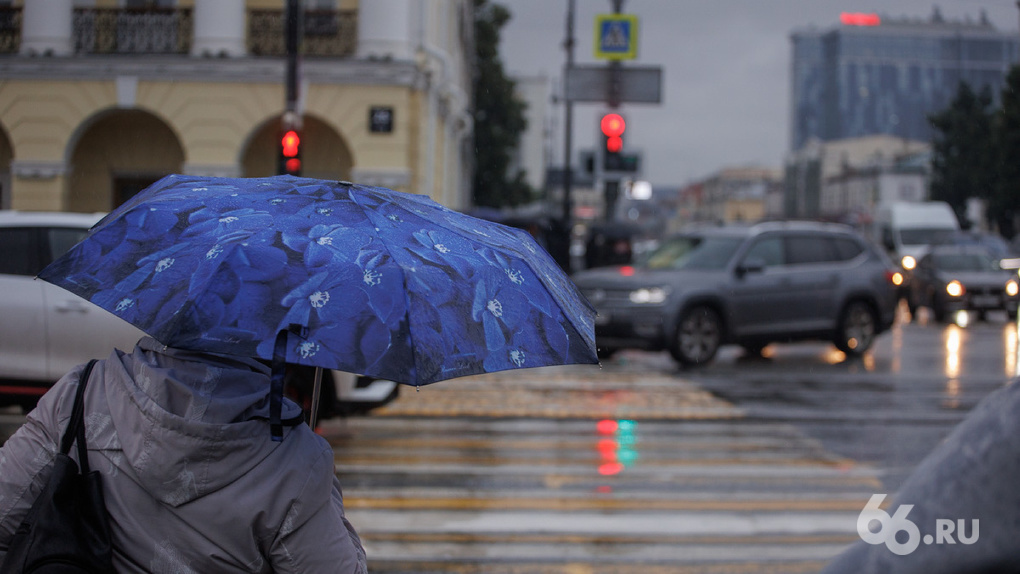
pixel 192 480
pixel 959 510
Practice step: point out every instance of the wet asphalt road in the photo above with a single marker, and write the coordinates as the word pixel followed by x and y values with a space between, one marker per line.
pixel 746 465
pixel 888 409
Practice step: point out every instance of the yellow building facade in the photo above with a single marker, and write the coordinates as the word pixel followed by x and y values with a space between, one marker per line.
pixel 100 98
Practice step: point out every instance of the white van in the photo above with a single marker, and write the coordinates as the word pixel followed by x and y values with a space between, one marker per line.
pixel 907 229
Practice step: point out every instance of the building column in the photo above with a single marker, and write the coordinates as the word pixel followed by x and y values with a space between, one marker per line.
pixel 384 30
pixel 46 28
pixel 219 28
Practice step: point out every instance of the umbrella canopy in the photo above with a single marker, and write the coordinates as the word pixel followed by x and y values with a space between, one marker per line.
pixel 360 279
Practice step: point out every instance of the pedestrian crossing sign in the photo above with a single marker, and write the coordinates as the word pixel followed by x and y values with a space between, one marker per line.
pixel 616 36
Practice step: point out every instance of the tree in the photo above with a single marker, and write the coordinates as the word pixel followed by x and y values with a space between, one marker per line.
pixel 498 116
pixel 1004 204
pixel 963 155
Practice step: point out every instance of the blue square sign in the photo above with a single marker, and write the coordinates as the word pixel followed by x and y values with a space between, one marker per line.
pixel 616 36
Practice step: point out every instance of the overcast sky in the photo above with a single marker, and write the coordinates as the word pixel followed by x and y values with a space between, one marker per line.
pixel 726 71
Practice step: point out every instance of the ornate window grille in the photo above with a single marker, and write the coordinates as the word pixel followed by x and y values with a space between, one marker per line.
pixel 133 31
pixel 330 33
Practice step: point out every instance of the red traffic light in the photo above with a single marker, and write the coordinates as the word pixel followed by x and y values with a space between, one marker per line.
pixel 614 144
pixel 291 142
pixel 613 126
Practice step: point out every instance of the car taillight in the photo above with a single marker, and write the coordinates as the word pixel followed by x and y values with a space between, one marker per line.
pixel 894 277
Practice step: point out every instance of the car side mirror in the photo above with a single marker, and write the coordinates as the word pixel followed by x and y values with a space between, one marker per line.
pixel 751 265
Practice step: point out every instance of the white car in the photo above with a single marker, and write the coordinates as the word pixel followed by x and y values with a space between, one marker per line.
pixel 45 331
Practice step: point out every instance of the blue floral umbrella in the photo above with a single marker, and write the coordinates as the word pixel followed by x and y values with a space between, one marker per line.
pixel 329 274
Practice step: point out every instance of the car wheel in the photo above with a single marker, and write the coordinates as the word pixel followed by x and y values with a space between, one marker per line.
pixel 857 328
pixel 698 336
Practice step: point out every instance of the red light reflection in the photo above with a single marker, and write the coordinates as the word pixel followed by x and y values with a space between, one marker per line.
pixel 610 468
pixel 607 426
pixel 627 271
pixel 607 449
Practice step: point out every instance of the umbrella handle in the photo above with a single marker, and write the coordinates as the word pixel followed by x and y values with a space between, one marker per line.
pixel 316 391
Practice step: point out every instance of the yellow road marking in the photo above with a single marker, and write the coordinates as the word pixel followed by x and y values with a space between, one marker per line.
pixel 602 504
pixel 623 538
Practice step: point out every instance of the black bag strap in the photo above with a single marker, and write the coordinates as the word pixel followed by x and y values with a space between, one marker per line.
pixel 75 431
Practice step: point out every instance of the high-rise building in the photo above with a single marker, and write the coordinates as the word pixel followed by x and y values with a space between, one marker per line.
pixel 877 75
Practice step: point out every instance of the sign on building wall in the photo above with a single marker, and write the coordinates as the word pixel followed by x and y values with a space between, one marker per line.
pixel 380 119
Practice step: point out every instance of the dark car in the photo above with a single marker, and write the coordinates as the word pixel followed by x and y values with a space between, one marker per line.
pixel 1006 253
pixel 952 278
pixel 770 282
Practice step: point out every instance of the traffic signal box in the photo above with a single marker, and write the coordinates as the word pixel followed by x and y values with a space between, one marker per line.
pixel 613 159
pixel 290 153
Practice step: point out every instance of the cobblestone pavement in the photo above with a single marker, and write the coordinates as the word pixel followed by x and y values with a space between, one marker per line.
pixel 614 390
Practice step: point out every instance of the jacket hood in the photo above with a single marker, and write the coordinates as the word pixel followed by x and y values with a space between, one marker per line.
pixel 187 423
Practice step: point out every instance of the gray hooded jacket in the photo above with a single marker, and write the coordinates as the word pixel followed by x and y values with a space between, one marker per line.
pixel 193 481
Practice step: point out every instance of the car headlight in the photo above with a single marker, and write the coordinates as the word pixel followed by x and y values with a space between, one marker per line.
pixel 954 288
pixel 908 262
pixel 649 296
pixel 1012 288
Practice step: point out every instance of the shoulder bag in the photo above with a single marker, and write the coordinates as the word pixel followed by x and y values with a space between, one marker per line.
pixel 66 531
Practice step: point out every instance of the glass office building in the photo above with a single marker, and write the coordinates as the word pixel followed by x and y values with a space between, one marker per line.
pixel 887 76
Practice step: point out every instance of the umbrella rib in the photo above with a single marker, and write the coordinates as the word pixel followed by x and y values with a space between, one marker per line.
pixel 521 236
pixel 190 303
pixel 403 278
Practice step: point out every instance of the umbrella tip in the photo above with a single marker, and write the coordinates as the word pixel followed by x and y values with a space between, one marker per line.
pixel 344 182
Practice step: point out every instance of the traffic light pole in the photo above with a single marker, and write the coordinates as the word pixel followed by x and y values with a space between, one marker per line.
pixel 611 187
pixel 568 126
pixel 293 32
pixel 292 29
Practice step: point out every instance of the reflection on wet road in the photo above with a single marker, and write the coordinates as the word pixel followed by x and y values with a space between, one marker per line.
pixel 747 465
pixel 447 495
pixel 888 409
pixel 564 492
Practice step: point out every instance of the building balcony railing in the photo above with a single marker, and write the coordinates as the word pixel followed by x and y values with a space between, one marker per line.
pixel 327 33
pixel 132 31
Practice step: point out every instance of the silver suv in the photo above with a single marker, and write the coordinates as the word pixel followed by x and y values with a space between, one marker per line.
pixel 45 330
pixel 770 282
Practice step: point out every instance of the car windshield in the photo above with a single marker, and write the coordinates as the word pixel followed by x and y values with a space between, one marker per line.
pixel 921 235
pixel 693 252
pixel 965 262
